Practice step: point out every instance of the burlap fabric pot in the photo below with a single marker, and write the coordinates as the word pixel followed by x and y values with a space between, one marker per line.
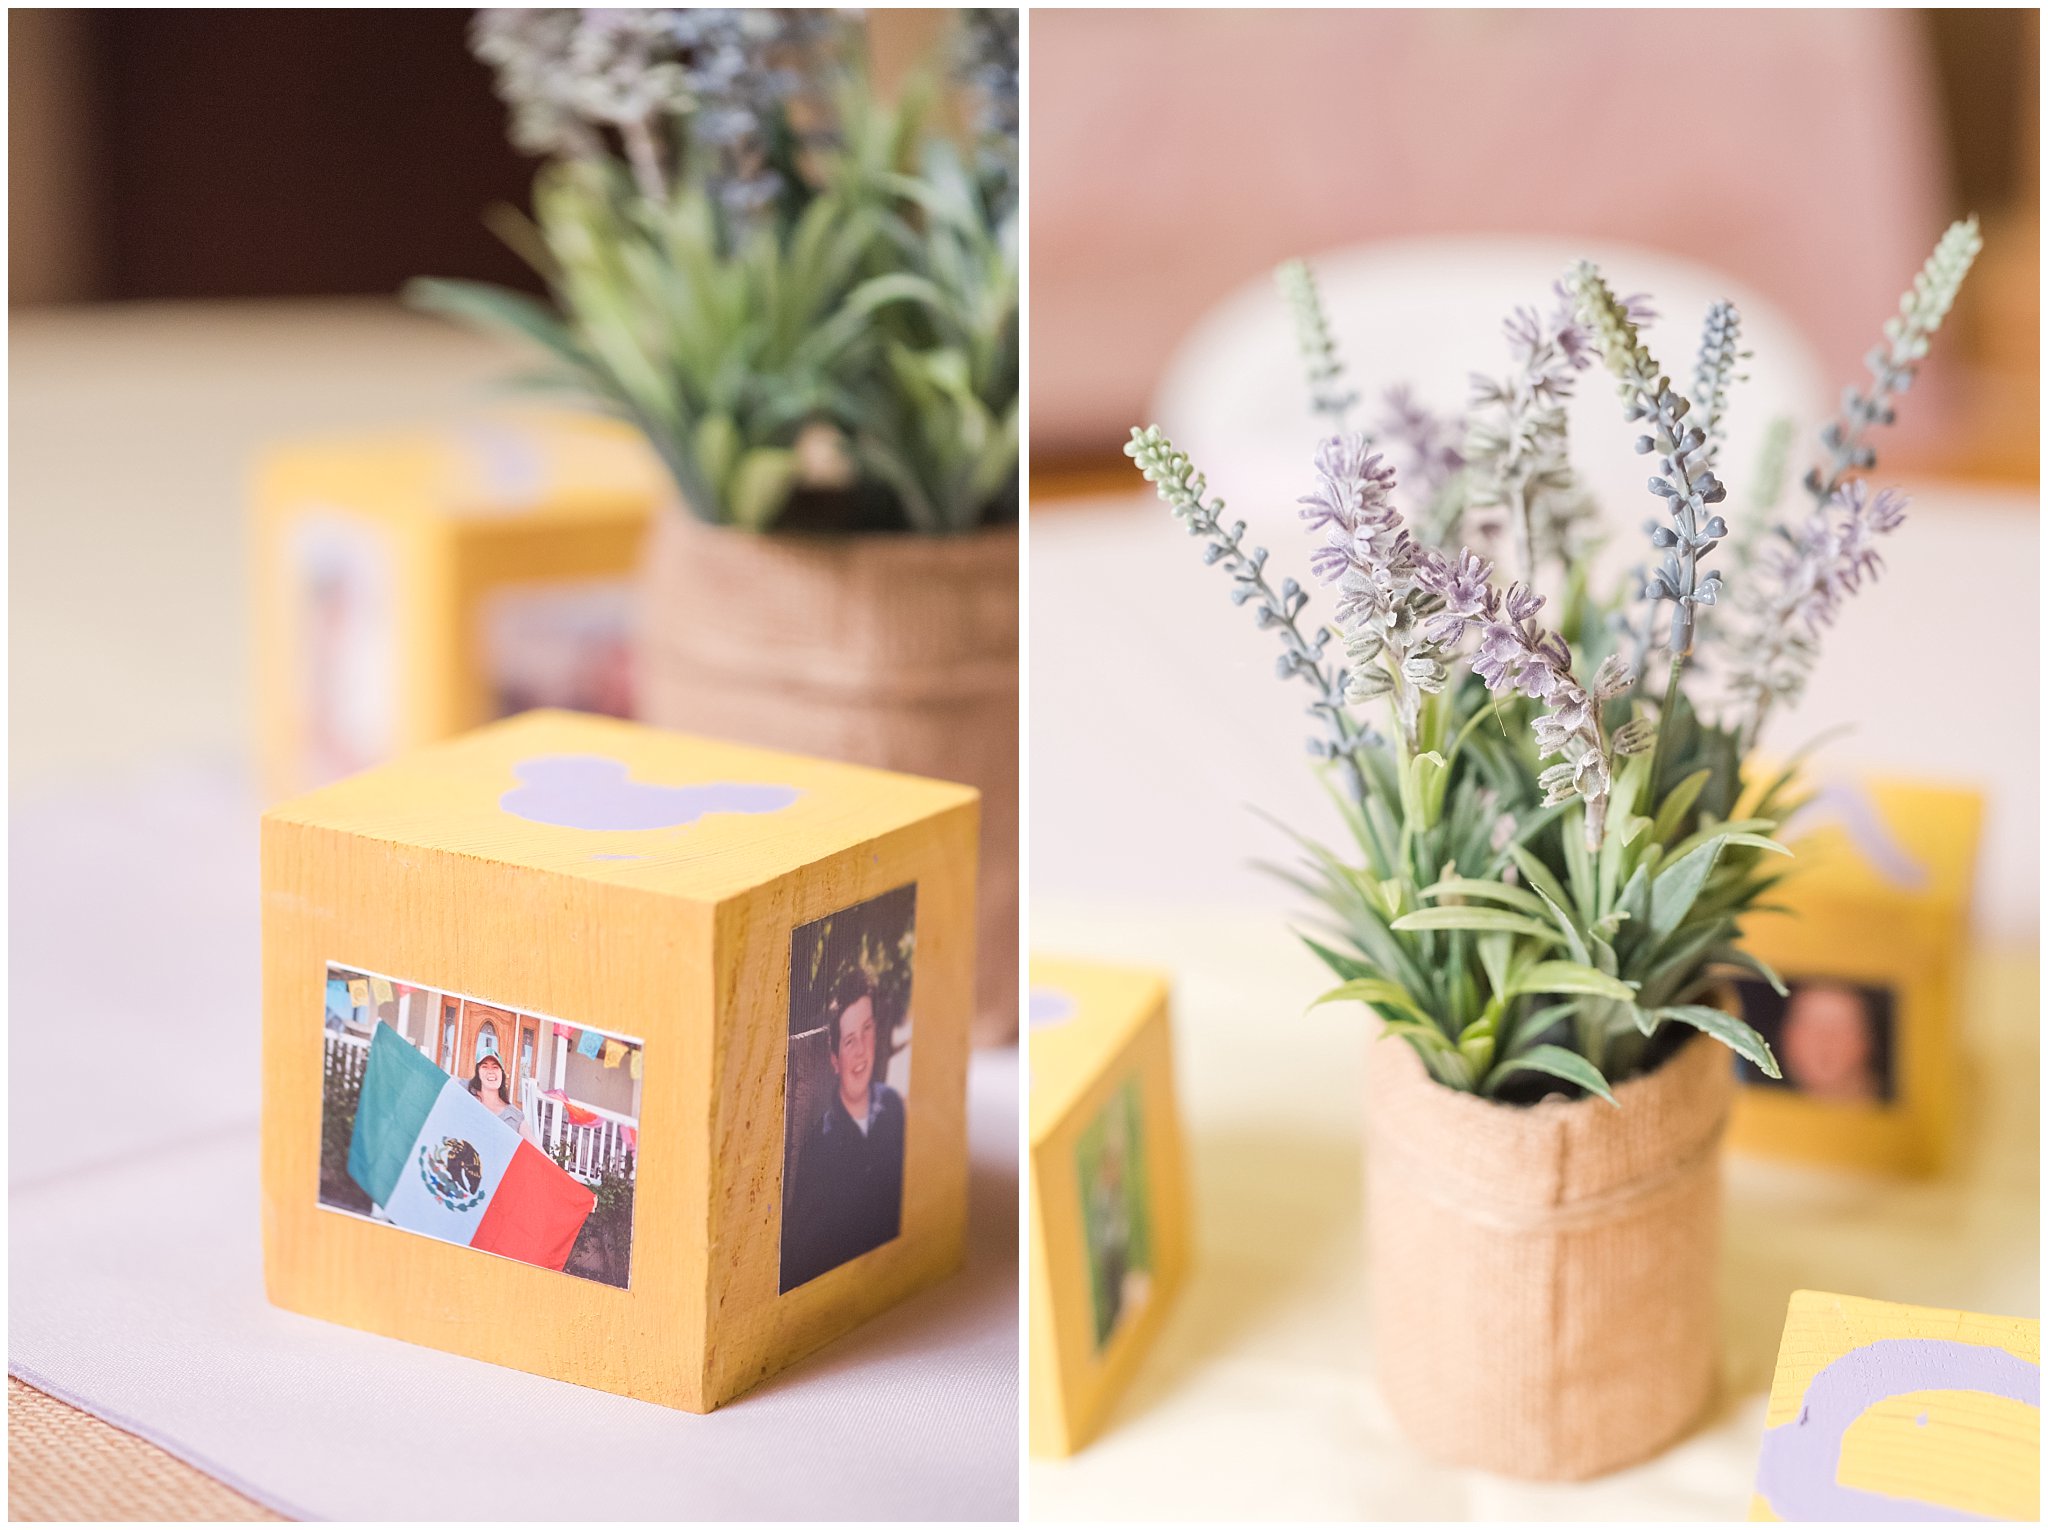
pixel 891 650
pixel 1544 1287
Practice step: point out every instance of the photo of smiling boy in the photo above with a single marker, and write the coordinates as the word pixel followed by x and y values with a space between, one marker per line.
pixel 844 1133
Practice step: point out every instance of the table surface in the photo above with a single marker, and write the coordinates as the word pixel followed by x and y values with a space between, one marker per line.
pixel 1257 1402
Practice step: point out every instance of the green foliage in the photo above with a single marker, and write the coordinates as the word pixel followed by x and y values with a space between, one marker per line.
pixel 855 341
pixel 1483 932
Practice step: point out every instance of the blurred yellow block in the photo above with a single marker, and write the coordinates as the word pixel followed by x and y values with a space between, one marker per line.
pixel 608 889
pixel 1872 951
pixel 1881 1411
pixel 414 584
pixel 1109 1195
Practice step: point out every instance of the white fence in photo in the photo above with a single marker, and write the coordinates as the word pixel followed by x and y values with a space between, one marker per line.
pixel 591 1147
pixel 346 1057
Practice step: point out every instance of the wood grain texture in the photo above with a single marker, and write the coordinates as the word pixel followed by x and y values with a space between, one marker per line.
pixel 416 869
pixel 522 499
pixel 1918 1436
pixel 1847 919
pixel 1118 1030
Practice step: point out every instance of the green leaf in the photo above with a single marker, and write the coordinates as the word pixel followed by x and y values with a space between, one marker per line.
pixel 1572 977
pixel 1677 803
pixel 1725 1028
pixel 1346 967
pixel 1738 956
pixel 1578 861
pixel 1558 1063
pixel 1534 1023
pixel 1758 842
pixel 1675 888
pixel 1623 827
pixel 1376 991
pixel 760 486
pixel 1497 892
pixel 1432 776
pixel 1468 917
pixel 1553 894
pixel 1715 831
pixel 1494 953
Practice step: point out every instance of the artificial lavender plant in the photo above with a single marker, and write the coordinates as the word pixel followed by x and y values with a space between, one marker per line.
pixel 805 298
pixel 1555 838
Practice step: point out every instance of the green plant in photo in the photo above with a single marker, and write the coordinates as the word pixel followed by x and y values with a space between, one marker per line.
pixel 805 297
pixel 1116 1208
pixel 1555 833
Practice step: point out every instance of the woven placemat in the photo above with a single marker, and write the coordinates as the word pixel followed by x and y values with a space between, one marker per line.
pixel 65 1464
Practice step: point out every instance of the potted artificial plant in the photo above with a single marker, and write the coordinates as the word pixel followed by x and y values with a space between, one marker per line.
pixel 806 299
pixel 1556 832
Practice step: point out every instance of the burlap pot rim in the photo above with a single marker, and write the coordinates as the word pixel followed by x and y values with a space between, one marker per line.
pixel 921 621
pixel 1558 1161
pixel 901 541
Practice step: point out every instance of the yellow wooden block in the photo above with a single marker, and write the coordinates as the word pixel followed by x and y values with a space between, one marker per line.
pixel 1109 1198
pixel 1872 951
pixel 414 584
pixel 1881 1411
pixel 684 956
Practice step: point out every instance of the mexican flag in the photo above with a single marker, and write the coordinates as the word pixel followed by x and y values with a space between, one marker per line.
pixel 439 1162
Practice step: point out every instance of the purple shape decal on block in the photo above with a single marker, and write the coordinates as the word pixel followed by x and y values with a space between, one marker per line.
pixel 1796 1473
pixel 1050 1007
pixel 590 791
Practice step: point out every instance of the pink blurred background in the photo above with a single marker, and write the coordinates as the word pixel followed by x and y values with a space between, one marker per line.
pixel 1814 156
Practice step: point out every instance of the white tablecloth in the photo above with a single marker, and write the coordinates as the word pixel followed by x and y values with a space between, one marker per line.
pixel 1257 1402
pixel 135 1261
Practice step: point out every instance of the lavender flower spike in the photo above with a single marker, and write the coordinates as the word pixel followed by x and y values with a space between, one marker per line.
pixel 1185 492
pixel 1516 653
pixel 1720 352
pixel 1327 394
pixel 1383 609
pixel 1685 483
pixel 1893 364
pixel 1802 577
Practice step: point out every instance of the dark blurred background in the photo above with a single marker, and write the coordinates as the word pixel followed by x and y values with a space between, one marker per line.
pixel 267 153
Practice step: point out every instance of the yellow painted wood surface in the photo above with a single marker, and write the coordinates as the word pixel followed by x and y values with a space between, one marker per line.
pixel 415 868
pixel 1964 1451
pixel 524 499
pixel 1850 921
pixel 1115 1031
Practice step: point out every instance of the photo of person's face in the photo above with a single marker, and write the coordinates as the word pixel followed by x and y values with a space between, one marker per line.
pixel 1827 1043
pixel 846 1099
pixel 854 1061
pixel 1834 1039
pixel 490 1075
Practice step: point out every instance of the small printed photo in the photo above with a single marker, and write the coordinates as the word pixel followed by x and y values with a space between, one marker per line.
pixel 848 1088
pixel 1116 1213
pixel 513 1133
pixel 345 660
pixel 1834 1040
pixel 560 645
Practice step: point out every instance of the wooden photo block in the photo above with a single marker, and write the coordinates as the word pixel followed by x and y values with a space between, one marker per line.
pixel 1881 1411
pixel 1109 1197
pixel 1871 948
pixel 623 1057
pixel 412 585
